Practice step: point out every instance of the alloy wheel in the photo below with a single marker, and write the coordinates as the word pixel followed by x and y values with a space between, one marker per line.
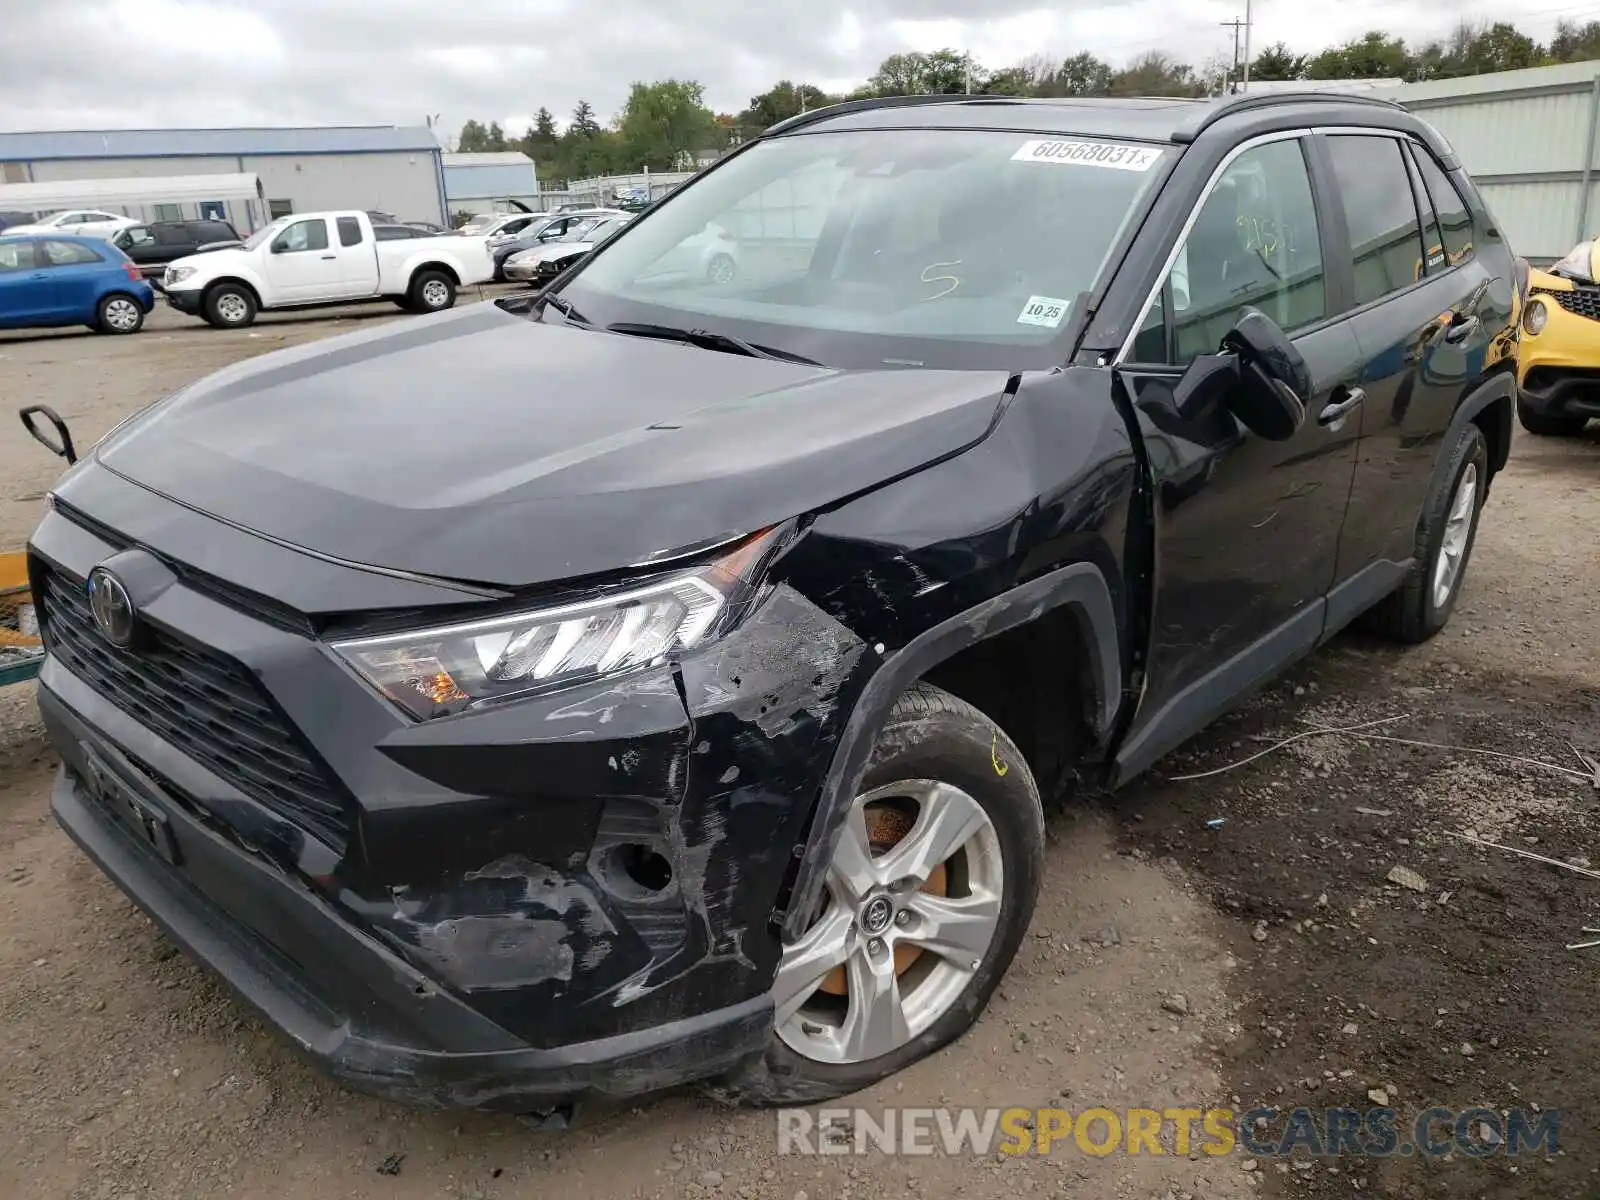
pixel 911 906
pixel 1453 543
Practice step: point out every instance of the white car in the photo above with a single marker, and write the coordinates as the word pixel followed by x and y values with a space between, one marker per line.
pixel 81 222
pixel 711 255
pixel 539 264
pixel 314 259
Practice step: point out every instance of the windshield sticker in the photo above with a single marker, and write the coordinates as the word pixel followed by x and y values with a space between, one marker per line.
pixel 1043 310
pixel 1113 155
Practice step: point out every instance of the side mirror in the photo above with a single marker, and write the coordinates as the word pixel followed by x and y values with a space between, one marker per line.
pixel 278 247
pixel 1257 375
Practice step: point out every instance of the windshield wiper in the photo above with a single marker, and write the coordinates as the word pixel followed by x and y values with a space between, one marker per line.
pixel 564 307
pixel 706 339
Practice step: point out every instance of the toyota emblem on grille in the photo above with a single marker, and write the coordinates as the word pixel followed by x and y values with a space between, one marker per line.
pixel 111 606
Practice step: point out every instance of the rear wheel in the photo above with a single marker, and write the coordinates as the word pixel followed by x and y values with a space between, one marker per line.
pixel 722 270
pixel 119 313
pixel 1546 425
pixel 229 306
pixel 929 890
pixel 431 291
pixel 1449 526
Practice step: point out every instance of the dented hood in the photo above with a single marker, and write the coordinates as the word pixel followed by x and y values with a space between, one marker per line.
pixel 484 447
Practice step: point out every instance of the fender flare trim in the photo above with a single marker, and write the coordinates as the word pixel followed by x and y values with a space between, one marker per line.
pixel 1080 586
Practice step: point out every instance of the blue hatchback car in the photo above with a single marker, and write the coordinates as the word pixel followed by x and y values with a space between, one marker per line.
pixel 62 280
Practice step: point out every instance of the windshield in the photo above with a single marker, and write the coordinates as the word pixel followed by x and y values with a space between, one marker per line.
pixel 480 223
pixel 949 248
pixel 265 232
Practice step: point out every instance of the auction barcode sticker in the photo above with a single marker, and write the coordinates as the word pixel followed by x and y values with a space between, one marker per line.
pixel 1113 155
pixel 1043 310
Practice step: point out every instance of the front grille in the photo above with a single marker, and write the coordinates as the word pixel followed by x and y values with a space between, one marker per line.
pixel 1584 302
pixel 203 704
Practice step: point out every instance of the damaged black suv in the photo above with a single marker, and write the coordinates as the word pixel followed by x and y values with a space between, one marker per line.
pixel 658 679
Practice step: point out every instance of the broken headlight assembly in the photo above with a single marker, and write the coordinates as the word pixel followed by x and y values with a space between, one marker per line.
pixel 444 670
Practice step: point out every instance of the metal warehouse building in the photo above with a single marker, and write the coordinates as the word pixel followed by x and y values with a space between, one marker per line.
pixel 1528 139
pixel 475 183
pixel 389 168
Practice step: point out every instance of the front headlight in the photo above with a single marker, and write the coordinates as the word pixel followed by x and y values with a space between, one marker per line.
pixel 436 672
pixel 179 274
pixel 1534 317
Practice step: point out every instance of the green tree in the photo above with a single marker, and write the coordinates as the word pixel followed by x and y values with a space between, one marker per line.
pixel 474 138
pixel 1480 49
pixel 495 138
pixel 949 72
pixel 1278 62
pixel 1081 75
pixel 783 100
pixel 665 121
pixel 1575 43
pixel 1155 74
pixel 1008 81
pixel 1374 55
pixel 583 122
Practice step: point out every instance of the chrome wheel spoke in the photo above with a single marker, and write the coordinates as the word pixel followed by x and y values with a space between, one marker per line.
pixel 875 1022
pixel 946 821
pixel 955 928
pixel 853 873
pixel 825 946
pixel 1453 539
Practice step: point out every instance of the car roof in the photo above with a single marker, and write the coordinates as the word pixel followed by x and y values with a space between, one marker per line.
pixel 1141 118
pixel 81 238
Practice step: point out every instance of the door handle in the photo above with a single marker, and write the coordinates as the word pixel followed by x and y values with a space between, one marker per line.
pixel 38 275
pixel 1460 329
pixel 329 257
pixel 1350 399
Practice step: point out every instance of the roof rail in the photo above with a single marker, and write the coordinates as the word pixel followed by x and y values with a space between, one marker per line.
pixel 1189 130
pixel 789 124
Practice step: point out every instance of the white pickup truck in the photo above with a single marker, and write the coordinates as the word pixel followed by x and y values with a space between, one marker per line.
pixel 312 259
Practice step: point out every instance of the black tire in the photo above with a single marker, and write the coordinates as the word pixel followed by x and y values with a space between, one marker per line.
pixel 1545 425
pixel 929 734
pixel 431 291
pixel 229 306
pixel 1413 613
pixel 119 313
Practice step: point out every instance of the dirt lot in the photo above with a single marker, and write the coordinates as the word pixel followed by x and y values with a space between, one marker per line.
pixel 1306 978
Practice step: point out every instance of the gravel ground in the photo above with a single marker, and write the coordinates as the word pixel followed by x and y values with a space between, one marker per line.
pixel 1266 960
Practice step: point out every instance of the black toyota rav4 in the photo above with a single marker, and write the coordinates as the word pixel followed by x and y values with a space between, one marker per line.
pixel 659 679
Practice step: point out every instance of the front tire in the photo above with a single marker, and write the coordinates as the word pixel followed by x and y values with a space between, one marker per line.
pixel 1545 425
pixel 1445 535
pixel 119 313
pixel 721 270
pixel 432 291
pixel 229 306
pixel 928 893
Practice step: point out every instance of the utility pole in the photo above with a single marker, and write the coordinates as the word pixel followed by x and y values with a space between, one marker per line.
pixel 1236 25
pixel 968 64
pixel 1247 27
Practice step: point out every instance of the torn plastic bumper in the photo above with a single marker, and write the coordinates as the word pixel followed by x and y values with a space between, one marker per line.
pixel 361 1012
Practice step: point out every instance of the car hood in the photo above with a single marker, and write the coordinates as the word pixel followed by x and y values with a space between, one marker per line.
pixel 480 446
pixel 551 250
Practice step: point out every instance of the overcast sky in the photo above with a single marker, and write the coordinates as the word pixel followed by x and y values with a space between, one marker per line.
pixel 95 64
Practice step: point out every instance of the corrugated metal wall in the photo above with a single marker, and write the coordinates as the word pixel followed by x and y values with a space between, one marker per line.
pixel 1527 150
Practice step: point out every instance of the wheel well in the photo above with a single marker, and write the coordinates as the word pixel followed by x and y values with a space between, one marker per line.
pixel 216 283
pixel 1035 682
pixel 442 268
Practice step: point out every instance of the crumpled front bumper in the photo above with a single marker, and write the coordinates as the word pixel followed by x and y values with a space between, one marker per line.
pixel 1558 368
pixel 360 1011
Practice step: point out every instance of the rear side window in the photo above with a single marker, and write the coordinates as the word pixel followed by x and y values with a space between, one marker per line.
pixel 214 231
pixel 16 256
pixel 1381 212
pixel 1432 240
pixel 66 254
pixel 1253 243
pixel 349 231
pixel 172 235
pixel 1455 219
